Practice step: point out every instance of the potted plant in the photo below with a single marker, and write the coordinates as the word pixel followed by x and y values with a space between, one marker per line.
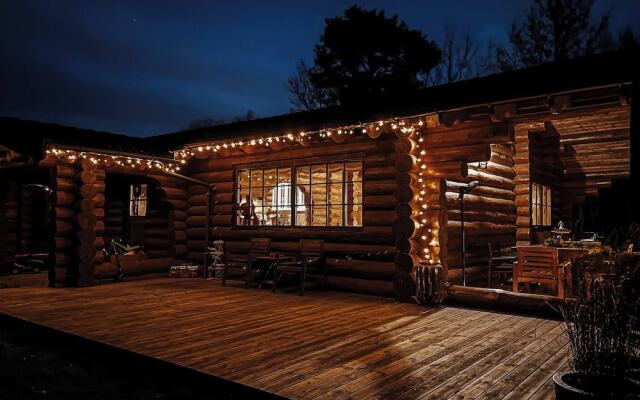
pixel 599 323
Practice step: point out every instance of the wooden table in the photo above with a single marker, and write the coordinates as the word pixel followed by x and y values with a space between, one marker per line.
pixel 272 260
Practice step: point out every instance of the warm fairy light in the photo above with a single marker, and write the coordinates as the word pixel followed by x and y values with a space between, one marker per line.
pixel 124 161
pixel 406 125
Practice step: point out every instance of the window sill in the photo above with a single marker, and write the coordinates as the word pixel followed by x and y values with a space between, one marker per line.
pixel 289 228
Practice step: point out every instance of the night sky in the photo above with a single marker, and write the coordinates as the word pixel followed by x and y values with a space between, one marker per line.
pixel 149 67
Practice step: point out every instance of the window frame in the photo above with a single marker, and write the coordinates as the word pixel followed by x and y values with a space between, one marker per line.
pixel 541 205
pixel 293 164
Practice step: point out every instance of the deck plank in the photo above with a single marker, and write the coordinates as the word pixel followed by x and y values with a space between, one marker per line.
pixel 325 345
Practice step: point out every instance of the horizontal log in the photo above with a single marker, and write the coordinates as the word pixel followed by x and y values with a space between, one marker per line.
pixel 494 168
pixel 483 216
pixel 64 198
pixel 365 286
pixel 479 228
pixel 178 204
pixel 380 202
pixel 64 212
pixel 215 176
pixel 374 235
pixel 468 153
pixel 63 243
pixel 465 135
pixel 65 184
pixel 63 171
pixel 383 270
pixel 155 254
pixel 447 169
pixel 387 172
pixel 473 202
pixel 63 228
pixel 375 187
pixel 489 179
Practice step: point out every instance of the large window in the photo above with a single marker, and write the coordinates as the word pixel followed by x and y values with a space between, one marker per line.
pixel 319 194
pixel 540 205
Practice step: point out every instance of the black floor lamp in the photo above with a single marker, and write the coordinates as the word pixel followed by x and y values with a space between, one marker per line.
pixel 464 189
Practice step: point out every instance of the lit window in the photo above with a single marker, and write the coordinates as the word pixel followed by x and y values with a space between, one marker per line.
pixel 540 205
pixel 332 194
pixel 138 200
pixel 328 194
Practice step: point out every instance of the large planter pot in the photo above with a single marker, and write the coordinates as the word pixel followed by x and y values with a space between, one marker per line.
pixel 576 386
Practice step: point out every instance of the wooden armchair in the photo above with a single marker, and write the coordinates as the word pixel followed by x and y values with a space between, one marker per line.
pixel 501 264
pixel 539 264
pixel 311 262
pixel 260 247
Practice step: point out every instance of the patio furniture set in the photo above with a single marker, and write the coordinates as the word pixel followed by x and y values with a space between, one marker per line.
pixel 548 266
pixel 262 266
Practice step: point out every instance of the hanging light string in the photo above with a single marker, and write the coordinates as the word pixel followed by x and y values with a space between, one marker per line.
pixel 108 160
pixel 404 124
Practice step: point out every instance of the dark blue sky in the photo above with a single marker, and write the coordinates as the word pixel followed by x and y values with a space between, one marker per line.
pixel 148 67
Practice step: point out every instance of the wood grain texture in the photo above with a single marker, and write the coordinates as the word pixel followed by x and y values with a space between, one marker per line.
pixel 325 345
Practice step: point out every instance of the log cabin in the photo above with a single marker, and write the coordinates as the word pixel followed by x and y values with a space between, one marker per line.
pixel 379 183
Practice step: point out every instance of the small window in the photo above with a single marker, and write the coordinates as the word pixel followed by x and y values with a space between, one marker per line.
pixel 540 205
pixel 138 200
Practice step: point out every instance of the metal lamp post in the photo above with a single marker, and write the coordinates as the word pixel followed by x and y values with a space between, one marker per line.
pixel 464 189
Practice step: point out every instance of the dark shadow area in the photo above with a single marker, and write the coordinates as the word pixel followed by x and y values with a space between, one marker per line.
pixel 37 362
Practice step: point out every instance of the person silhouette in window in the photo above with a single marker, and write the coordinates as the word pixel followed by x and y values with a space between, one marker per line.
pixel 248 211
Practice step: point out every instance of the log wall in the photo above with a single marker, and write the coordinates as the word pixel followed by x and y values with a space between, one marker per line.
pixel 358 259
pixel 476 150
pixel 594 150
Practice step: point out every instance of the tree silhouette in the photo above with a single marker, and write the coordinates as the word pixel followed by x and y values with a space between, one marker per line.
pixel 553 30
pixel 364 57
pixel 462 59
pixel 303 95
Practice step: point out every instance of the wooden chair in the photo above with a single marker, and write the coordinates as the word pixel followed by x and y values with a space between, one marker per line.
pixel 234 266
pixel 502 265
pixel 311 262
pixel 259 247
pixel 539 264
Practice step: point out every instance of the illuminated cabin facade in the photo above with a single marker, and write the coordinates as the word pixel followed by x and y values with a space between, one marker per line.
pixel 378 185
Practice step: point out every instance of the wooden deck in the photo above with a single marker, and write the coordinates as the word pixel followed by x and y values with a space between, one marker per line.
pixel 325 345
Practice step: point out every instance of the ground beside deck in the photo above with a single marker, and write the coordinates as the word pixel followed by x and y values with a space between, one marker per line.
pixel 324 345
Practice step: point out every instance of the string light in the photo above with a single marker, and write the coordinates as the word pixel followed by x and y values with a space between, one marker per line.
pixel 407 125
pixel 107 160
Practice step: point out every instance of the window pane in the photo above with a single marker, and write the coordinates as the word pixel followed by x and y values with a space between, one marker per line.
pixel 256 195
pixel 243 179
pixel 302 175
pixel 258 219
pixel 353 214
pixel 319 215
pixel 284 175
pixel 335 194
pixel 335 215
pixel 270 177
pixel 283 217
pixel 353 171
pixel 319 194
pixel 353 192
pixel 303 217
pixel 335 173
pixel 319 173
pixel 256 177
